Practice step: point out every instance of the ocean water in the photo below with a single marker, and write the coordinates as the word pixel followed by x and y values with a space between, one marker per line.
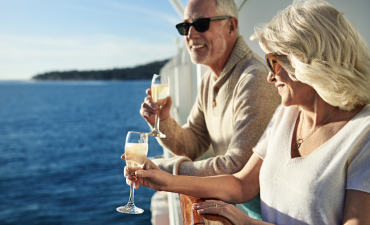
pixel 60 148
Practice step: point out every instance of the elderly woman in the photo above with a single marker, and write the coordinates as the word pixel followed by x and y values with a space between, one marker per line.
pixel 312 165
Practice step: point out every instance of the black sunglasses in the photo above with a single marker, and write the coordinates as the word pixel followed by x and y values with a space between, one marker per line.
pixel 200 25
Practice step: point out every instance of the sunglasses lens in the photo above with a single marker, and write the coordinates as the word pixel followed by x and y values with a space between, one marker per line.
pixel 201 25
pixel 269 64
pixel 183 28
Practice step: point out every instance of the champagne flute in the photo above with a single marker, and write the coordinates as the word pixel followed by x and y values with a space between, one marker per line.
pixel 160 90
pixel 136 149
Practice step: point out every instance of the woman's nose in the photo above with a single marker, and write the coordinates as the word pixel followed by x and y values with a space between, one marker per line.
pixel 271 77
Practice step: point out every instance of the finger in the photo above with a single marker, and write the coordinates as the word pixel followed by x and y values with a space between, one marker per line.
pixel 132 181
pixel 215 201
pixel 125 171
pixel 169 101
pixel 202 205
pixel 127 175
pixel 149 92
pixel 131 178
pixel 137 185
pixel 209 207
pixel 148 100
pixel 129 182
pixel 149 165
pixel 123 156
pixel 165 111
pixel 145 113
pixel 208 204
pixel 149 108
pixel 211 210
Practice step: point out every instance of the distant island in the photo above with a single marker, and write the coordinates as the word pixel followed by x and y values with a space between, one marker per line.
pixel 141 72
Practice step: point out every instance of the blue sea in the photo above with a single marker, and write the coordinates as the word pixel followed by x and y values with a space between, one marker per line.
pixel 60 148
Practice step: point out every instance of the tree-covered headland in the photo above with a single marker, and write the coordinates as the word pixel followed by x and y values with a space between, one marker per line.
pixel 141 72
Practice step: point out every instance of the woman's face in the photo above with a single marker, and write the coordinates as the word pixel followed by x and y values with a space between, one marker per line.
pixel 291 92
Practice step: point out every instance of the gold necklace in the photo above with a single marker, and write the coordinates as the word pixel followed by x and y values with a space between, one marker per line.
pixel 298 143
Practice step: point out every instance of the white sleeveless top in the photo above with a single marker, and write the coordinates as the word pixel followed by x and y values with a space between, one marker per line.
pixel 311 189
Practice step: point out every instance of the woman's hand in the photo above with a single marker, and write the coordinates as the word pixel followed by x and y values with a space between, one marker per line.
pixel 150 176
pixel 223 209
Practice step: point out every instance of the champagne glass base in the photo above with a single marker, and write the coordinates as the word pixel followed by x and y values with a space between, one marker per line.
pixel 130 209
pixel 157 134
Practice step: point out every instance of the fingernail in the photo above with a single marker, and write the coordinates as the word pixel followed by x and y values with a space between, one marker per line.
pixel 138 172
pixel 150 115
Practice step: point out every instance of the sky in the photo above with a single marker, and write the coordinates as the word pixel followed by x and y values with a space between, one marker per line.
pixel 38 36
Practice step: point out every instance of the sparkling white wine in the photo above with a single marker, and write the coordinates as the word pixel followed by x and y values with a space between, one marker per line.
pixel 159 93
pixel 135 154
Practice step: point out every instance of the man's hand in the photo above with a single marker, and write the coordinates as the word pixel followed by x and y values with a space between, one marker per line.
pixel 150 176
pixel 149 109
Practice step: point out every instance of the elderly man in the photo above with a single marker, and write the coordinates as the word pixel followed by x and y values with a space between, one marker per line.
pixel 234 103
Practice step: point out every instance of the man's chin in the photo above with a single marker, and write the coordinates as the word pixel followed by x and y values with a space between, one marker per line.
pixel 198 60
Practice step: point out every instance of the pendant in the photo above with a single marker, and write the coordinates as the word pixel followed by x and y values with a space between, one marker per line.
pixel 298 143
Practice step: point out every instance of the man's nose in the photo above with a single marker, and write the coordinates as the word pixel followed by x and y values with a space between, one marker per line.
pixel 192 33
pixel 271 77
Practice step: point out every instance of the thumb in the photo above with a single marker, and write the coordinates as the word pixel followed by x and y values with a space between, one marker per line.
pixel 168 103
pixel 144 173
pixel 123 156
pixel 148 92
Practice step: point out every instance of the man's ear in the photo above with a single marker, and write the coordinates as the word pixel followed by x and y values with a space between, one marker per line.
pixel 233 25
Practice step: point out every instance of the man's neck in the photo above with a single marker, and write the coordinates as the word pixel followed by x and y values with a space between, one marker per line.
pixel 218 66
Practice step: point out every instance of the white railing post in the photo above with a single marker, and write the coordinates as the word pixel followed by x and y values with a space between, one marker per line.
pixel 178 6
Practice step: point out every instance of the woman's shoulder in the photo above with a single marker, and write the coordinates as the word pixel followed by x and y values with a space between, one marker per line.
pixel 361 121
pixel 284 117
pixel 286 112
pixel 364 114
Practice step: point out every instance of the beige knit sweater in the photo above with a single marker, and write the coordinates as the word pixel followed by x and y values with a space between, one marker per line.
pixel 231 113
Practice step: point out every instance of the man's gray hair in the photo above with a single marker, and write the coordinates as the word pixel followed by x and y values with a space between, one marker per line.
pixel 228 8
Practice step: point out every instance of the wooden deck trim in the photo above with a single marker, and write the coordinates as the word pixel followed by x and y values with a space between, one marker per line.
pixel 192 217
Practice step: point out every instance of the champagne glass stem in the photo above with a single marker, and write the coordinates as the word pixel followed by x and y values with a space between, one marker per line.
pixel 156 125
pixel 131 199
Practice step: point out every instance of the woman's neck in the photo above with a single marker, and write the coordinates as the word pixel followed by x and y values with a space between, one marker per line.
pixel 316 111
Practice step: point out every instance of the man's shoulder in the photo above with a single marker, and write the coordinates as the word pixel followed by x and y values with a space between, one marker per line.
pixel 253 65
pixel 252 74
pixel 252 69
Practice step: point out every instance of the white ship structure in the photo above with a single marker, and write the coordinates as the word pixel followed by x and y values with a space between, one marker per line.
pixel 186 76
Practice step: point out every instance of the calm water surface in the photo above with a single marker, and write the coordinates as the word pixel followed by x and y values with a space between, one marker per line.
pixel 60 148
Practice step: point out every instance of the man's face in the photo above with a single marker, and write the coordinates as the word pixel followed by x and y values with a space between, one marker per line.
pixel 208 47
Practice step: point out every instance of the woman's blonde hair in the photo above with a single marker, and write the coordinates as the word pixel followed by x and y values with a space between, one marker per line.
pixel 324 50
